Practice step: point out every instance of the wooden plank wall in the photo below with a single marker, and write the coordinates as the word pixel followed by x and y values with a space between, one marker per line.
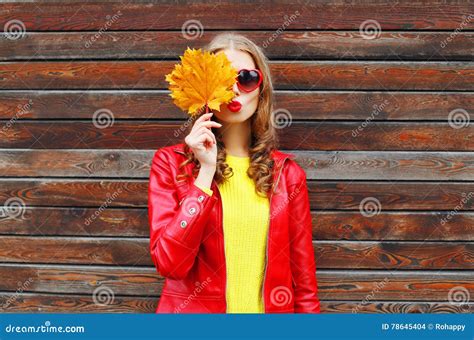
pixel 380 96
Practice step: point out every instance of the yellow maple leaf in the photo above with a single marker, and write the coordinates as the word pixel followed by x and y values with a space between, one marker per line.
pixel 201 80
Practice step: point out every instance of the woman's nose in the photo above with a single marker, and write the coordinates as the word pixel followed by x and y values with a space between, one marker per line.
pixel 236 89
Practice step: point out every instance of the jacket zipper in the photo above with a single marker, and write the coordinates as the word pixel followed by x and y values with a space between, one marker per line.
pixel 268 233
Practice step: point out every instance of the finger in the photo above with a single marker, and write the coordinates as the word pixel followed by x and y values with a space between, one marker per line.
pixel 203 117
pixel 210 134
pixel 209 124
pixel 202 129
pixel 201 147
pixel 204 143
pixel 196 133
pixel 198 121
pixel 204 138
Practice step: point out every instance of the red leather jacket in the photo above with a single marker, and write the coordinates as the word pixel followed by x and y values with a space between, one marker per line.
pixel 187 245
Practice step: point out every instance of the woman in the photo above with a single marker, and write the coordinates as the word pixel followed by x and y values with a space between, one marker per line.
pixel 230 223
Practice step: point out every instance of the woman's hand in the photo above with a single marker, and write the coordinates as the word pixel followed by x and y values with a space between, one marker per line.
pixel 202 141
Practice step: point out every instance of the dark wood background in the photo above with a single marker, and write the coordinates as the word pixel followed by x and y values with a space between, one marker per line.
pixel 64 169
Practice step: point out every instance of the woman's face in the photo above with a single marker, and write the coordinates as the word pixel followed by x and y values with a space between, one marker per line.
pixel 249 100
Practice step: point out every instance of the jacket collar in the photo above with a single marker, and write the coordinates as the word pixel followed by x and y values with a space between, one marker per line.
pixel 277 155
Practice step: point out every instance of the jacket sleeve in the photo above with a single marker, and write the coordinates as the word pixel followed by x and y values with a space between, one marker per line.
pixel 207 190
pixel 176 228
pixel 303 264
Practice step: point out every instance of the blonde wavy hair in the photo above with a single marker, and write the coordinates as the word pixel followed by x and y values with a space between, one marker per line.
pixel 264 138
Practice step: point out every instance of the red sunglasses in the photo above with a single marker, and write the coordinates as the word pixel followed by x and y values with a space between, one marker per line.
pixel 249 80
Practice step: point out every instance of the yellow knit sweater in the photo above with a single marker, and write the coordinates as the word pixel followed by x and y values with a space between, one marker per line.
pixel 245 219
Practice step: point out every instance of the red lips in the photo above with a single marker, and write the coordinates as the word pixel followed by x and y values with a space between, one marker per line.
pixel 234 106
